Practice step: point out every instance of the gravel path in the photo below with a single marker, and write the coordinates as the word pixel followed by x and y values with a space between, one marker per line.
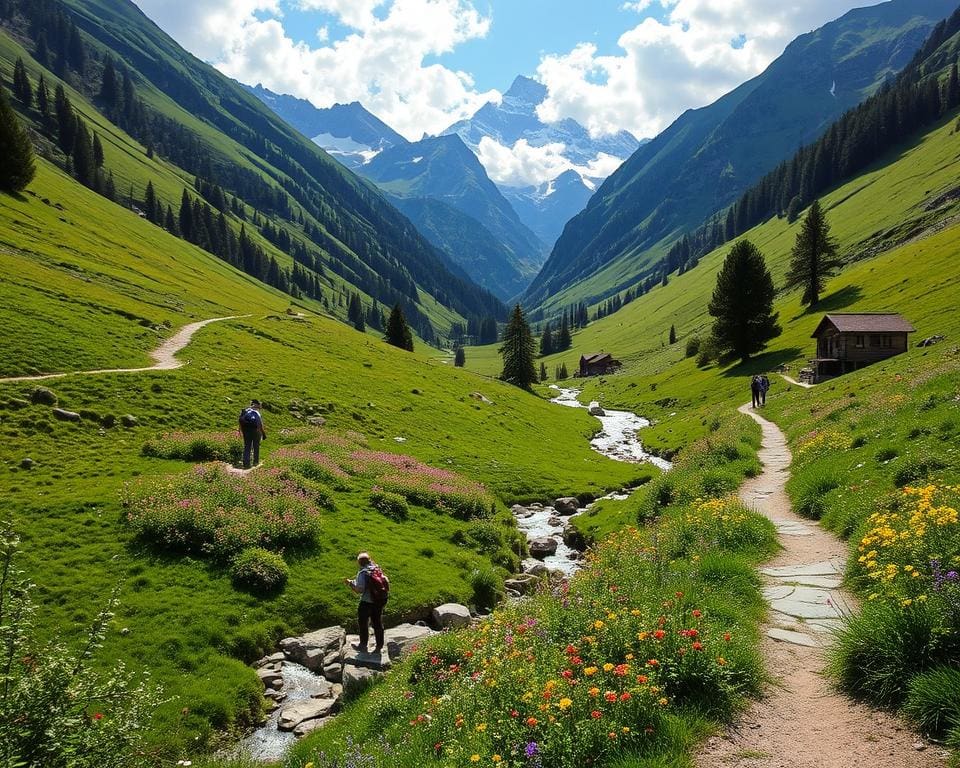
pixel 802 722
pixel 164 356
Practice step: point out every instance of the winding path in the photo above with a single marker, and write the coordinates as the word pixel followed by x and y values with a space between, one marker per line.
pixel 164 356
pixel 802 722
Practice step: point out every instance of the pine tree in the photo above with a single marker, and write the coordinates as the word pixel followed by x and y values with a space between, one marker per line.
pixel 673 334
pixel 742 303
pixel 17 169
pixel 82 154
pixel 459 357
pixel 22 88
pixel 546 341
pixel 563 340
pixel 66 120
pixel 110 88
pixel 42 52
pixel 517 351
pixel 97 151
pixel 398 332
pixel 150 206
pixel 543 371
pixel 43 99
pixel 110 188
pixel 814 256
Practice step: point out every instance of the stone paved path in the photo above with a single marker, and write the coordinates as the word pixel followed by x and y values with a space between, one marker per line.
pixel 802 722
pixel 164 356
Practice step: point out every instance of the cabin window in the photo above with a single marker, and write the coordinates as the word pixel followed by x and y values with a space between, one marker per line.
pixel 886 341
pixel 859 342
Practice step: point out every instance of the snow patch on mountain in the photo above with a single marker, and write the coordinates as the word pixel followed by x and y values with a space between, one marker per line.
pixel 345 148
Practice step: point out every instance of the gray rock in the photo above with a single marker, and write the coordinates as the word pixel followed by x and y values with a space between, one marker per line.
pixel 273 658
pixel 299 711
pixel 317 421
pixel 555 521
pixel 274 694
pixel 542 547
pixel 537 569
pixel 519 510
pixel 568 505
pixel 63 415
pixel 270 678
pixel 451 615
pixel 312 649
pixel 43 396
pixel 355 679
pixel 333 672
pixel 309 726
pixel 524 583
pixel 512 593
pixel 403 637
pixel 596 410
pixel 324 689
pixel 350 656
pixel 129 421
pixel 27 463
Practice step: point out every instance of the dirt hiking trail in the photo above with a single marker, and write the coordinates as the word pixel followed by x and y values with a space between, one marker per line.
pixel 165 355
pixel 802 722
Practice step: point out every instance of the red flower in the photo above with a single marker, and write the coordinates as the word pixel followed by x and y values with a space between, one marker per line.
pixel 514 713
pixel 610 696
pixel 567 673
pixel 596 714
pixel 697 646
pixel 532 722
pixel 659 634
pixel 642 679
pixel 625 696
pixel 727 636
pixel 570 650
pixel 98 716
pixel 696 613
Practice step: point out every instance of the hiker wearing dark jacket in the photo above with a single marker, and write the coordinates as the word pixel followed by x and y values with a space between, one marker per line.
pixel 370 609
pixel 755 390
pixel 251 427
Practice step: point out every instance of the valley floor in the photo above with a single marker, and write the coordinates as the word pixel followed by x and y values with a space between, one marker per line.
pixel 802 721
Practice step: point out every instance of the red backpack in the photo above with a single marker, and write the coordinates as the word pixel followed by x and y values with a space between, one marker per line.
pixel 378 585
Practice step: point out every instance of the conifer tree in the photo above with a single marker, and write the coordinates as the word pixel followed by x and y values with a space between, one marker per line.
pixel 66 120
pixel 82 154
pixel 97 151
pixel 17 169
pixel 110 88
pixel 563 340
pixel 546 341
pixel 673 334
pixel 398 332
pixel 150 207
pixel 22 88
pixel 814 256
pixel 517 351
pixel 742 303
pixel 42 52
pixel 459 357
pixel 43 98
pixel 543 371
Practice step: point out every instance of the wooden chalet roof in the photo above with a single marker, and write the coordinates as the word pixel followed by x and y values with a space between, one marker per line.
pixel 867 322
pixel 595 357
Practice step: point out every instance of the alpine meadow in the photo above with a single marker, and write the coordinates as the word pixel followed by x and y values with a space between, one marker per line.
pixel 357 413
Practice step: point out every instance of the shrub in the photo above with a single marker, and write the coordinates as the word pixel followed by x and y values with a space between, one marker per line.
pixel 912 470
pixel 210 511
pixel 259 570
pixel 196 446
pixel 487 586
pixel 693 346
pixel 808 492
pixel 887 453
pixel 56 708
pixel 391 505
pixel 933 700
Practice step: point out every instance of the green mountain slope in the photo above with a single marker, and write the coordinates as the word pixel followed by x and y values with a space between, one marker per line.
pixel 443 168
pixel 243 161
pixel 708 157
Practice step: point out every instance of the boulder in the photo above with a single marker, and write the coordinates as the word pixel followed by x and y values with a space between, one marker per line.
pixel 403 637
pixel 537 569
pixel 555 521
pixel 108 421
pixel 596 410
pixel 312 649
pixel 273 658
pixel 129 421
pixel 519 510
pixel 309 726
pixel 60 413
pixel 271 678
pixel 524 583
pixel 307 709
pixel 274 695
pixel 324 689
pixel 543 547
pixel 355 679
pixel 333 672
pixel 26 463
pixel 512 594
pixel 316 421
pixel 451 615
pixel 350 656
pixel 568 505
pixel 43 396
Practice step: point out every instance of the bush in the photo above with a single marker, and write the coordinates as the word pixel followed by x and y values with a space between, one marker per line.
pixel 259 570
pixel 487 586
pixel 912 470
pixel 808 492
pixel 933 700
pixel 57 710
pixel 196 446
pixel 210 511
pixel 693 346
pixel 391 505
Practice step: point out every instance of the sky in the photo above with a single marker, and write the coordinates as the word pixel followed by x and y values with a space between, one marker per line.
pixel 421 65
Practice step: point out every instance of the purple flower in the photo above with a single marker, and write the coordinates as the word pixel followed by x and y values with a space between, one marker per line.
pixel 531 748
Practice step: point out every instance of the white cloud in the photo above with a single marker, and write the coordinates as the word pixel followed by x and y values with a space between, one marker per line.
pixel 380 62
pixel 524 164
pixel 687 60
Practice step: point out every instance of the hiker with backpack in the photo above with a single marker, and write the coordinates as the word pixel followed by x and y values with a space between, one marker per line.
pixel 373 586
pixel 251 427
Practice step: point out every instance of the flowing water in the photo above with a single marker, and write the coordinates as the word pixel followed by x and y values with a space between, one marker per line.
pixel 619 440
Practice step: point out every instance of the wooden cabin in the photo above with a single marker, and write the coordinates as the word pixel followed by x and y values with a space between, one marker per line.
pixel 598 364
pixel 847 342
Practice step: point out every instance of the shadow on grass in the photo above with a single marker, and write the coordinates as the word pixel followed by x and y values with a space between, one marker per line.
pixel 764 363
pixel 837 300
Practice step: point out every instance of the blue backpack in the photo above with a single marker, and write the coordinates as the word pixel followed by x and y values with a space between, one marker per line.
pixel 249 419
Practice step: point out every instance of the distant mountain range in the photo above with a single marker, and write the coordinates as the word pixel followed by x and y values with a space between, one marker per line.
pixel 515 118
pixel 710 156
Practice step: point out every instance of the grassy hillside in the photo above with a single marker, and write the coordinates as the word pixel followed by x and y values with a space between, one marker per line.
pixel 901 210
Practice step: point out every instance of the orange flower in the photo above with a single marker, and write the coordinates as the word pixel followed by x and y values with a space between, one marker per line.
pixel 532 722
